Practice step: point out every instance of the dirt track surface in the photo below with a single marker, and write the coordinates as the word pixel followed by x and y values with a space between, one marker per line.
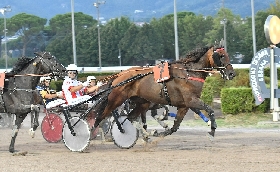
pixel 186 150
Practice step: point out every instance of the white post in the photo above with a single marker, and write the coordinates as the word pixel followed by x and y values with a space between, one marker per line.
pixel 274 106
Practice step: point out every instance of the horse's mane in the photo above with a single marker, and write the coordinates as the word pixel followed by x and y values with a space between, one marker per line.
pixel 193 55
pixel 20 64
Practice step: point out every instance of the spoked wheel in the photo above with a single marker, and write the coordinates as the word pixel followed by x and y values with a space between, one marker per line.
pixel 127 139
pixel 51 128
pixel 81 140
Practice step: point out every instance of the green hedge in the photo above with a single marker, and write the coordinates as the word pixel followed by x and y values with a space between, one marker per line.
pixel 56 85
pixel 239 100
pixel 236 95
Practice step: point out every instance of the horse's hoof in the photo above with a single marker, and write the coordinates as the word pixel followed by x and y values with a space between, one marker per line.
pixel 147 139
pixel 109 140
pixel 210 136
pixel 161 134
pixel 154 133
pixel 11 150
pixel 32 132
pixel 209 123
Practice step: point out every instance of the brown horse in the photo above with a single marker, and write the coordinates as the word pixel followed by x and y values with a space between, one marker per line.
pixel 182 90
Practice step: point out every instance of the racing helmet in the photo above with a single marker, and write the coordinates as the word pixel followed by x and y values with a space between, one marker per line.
pixel 89 78
pixel 42 79
pixel 72 67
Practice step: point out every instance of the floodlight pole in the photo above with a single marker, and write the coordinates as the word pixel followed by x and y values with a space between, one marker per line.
pixel 253 27
pixel 176 32
pixel 96 4
pixel 3 11
pixel 73 33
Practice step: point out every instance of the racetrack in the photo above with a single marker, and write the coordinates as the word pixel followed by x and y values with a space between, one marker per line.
pixel 186 150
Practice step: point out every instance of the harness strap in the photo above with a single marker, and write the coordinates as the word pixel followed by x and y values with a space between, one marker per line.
pixel 196 79
pixel 166 93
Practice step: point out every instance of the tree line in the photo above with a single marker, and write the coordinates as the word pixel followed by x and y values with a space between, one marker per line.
pixel 136 44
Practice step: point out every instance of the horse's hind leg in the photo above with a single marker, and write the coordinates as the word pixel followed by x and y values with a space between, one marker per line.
pixel 140 110
pixel 160 118
pixel 144 120
pixel 16 127
pixel 178 119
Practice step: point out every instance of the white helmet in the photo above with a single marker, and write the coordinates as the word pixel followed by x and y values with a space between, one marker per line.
pixel 89 78
pixel 42 79
pixel 72 67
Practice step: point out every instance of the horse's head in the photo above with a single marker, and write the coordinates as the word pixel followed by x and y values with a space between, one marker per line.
pixel 222 61
pixel 49 64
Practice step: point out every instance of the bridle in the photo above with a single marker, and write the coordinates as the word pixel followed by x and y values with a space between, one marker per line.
pixel 224 66
pixel 41 60
pixel 50 68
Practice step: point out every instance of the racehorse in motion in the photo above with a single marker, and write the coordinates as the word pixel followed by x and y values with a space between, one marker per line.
pixel 182 89
pixel 19 92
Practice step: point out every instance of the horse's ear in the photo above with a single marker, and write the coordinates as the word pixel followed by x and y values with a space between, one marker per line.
pixel 38 53
pixel 222 43
pixel 217 44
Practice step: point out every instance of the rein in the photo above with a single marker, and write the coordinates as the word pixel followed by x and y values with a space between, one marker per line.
pixel 29 75
pixel 207 70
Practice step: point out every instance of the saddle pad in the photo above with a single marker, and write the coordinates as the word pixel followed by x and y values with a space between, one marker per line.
pixel 2 79
pixel 161 72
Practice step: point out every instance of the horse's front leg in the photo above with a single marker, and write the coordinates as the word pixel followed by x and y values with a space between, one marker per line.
pixel 178 119
pixel 199 104
pixel 34 119
pixel 16 127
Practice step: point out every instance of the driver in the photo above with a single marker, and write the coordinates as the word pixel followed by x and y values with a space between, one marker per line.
pixel 72 88
pixel 47 94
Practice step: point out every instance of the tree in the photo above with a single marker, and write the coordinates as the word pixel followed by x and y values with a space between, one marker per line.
pixel 164 27
pixel 125 45
pixel 192 32
pixel 62 24
pixel 112 33
pixel 28 27
pixel 61 42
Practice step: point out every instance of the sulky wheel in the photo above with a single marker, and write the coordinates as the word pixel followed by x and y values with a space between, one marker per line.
pixel 127 139
pixel 81 140
pixel 51 128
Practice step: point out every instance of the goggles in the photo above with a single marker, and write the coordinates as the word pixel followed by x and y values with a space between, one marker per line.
pixel 47 80
pixel 72 72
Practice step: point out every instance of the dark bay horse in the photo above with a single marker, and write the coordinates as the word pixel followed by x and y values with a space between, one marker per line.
pixel 19 92
pixel 182 90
